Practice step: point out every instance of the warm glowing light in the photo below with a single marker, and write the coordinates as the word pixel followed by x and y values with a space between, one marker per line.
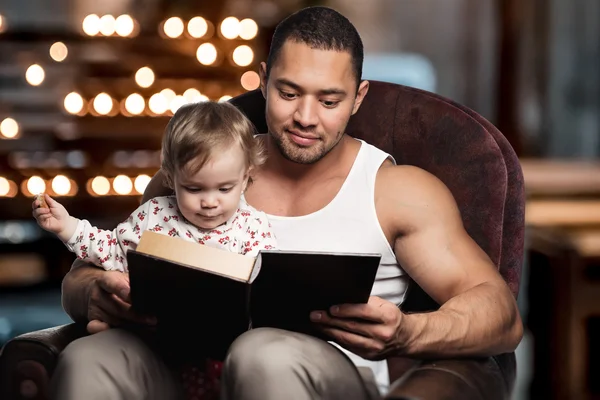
pixel 100 185
pixel 158 104
pixel 35 75
pixel 173 27
pixel 250 80
pixel 36 185
pixel 61 185
pixel 59 51
pixel 122 185
pixel 176 103
pixel 8 188
pixel 168 93
pixel 243 55
pixel 4 186
pixel 230 28
pixel 124 25
pixel 135 104
pixel 103 104
pixel 248 29
pixel 197 27
pixel 141 182
pixel 144 77
pixel 91 25
pixel 225 98
pixel 73 103
pixel 2 23
pixel 192 95
pixel 206 53
pixel 108 25
pixel 9 128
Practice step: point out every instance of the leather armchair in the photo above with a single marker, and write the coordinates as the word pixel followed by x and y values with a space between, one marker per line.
pixel 418 128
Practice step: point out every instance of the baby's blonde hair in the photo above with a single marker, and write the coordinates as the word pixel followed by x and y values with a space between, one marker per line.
pixel 198 130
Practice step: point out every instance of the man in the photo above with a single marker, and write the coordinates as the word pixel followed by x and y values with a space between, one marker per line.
pixel 323 191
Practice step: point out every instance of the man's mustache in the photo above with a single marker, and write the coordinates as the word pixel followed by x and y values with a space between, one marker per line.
pixel 300 128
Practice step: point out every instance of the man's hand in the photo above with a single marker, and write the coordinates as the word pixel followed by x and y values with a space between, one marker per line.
pixel 109 303
pixel 369 330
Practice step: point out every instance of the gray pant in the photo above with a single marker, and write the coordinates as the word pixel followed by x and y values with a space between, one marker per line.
pixel 262 364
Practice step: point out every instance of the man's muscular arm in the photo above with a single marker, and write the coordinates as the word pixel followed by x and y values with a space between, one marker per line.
pixel 478 314
pixel 76 291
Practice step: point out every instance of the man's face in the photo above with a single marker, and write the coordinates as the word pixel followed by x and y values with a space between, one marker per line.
pixel 310 95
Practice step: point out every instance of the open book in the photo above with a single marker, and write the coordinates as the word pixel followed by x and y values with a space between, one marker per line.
pixel 210 296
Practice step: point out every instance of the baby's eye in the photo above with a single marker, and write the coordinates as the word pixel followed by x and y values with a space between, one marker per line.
pixel 225 190
pixel 192 189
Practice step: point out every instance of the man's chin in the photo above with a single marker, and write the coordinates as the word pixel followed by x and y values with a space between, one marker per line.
pixel 304 155
pixel 296 153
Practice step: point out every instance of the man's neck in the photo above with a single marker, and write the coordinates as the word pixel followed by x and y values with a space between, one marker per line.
pixel 292 171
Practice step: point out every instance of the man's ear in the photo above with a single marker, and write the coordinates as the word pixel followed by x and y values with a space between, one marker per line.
pixel 363 89
pixel 262 71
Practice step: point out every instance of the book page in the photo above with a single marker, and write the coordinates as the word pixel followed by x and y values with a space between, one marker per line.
pixel 196 255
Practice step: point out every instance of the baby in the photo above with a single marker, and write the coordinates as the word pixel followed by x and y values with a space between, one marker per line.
pixel 208 152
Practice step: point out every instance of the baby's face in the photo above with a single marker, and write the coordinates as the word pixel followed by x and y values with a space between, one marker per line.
pixel 210 197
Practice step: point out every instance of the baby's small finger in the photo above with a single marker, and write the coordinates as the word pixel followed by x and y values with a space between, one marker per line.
pixel 40 211
pixel 41 201
pixel 43 219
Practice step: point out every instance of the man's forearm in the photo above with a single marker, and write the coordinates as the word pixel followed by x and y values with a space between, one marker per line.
pixel 75 291
pixel 483 321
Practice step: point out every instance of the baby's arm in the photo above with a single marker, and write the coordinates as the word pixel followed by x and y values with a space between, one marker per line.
pixel 258 235
pixel 105 248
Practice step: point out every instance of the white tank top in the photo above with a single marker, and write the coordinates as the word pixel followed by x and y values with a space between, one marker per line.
pixel 349 224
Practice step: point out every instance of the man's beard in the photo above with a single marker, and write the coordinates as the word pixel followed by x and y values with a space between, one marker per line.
pixel 302 155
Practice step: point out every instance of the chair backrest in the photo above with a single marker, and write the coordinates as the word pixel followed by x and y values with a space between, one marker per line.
pixel 455 144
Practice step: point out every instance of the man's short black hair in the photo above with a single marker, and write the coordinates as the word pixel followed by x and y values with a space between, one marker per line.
pixel 320 28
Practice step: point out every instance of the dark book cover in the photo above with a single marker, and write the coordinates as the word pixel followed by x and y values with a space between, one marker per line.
pixel 206 310
pixel 292 284
pixel 197 311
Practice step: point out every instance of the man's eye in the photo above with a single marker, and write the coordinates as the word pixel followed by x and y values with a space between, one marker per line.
pixel 330 103
pixel 288 96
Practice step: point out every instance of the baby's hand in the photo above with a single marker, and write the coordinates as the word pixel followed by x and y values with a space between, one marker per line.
pixel 50 214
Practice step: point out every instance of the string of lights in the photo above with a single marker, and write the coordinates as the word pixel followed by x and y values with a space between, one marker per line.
pixel 227 43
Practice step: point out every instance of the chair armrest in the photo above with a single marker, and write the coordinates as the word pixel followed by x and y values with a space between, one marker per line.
pixel 469 379
pixel 28 361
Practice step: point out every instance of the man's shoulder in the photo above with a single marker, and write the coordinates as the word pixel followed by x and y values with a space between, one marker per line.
pixel 407 179
pixel 408 192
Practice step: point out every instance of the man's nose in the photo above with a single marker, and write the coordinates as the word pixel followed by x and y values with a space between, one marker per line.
pixel 306 113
